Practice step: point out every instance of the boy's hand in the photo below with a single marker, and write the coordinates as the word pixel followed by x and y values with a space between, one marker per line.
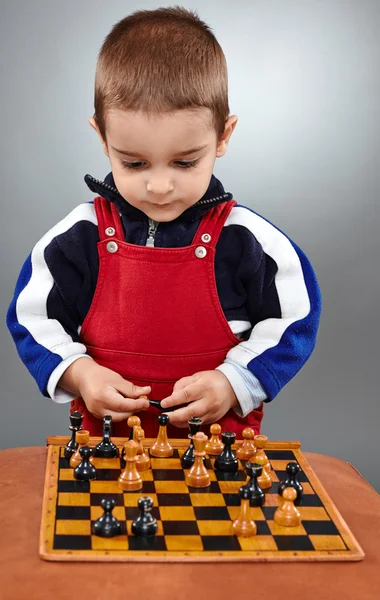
pixel 208 394
pixel 104 392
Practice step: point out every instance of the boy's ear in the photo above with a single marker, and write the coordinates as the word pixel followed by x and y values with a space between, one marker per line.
pixel 230 125
pixel 94 125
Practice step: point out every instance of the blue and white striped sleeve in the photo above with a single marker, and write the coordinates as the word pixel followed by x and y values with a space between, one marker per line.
pixel 279 344
pixel 46 345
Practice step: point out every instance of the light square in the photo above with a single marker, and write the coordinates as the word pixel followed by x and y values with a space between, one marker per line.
pixel 70 499
pixel 106 463
pixel 276 529
pixel 105 487
pixel 74 527
pixel 215 527
pixel 66 475
pixel 313 513
pixel 230 487
pixel 257 542
pixel 119 542
pixel 207 500
pixel 186 543
pixel 165 463
pixel 256 513
pixel 327 542
pixel 177 513
pixel 171 487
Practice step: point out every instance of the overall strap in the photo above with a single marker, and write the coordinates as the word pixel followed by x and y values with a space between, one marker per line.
pixel 109 223
pixel 212 224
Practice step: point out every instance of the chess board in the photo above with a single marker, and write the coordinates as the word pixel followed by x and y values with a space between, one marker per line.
pixel 193 524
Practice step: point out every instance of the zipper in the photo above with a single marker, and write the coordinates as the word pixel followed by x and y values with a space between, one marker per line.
pixel 151 232
pixel 115 191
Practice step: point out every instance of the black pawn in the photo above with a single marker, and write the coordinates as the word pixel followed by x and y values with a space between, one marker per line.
pixel 254 471
pixel 188 458
pixel 227 461
pixel 107 525
pixel 76 419
pixel 106 448
pixel 145 524
pixel 292 470
pixel 85 470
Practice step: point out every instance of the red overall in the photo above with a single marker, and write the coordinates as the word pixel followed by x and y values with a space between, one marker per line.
pixel 156 316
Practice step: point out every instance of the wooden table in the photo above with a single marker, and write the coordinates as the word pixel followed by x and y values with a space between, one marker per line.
pixel 24 576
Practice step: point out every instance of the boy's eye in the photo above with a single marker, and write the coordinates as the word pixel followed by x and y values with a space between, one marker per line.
pixel 183 164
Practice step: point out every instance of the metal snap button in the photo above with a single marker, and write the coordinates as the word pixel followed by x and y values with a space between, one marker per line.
pixel 200 252
pixel 110 231
pixel 206 237
pixel 112 247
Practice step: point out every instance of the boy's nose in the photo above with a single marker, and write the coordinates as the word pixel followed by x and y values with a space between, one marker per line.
pixel 159 187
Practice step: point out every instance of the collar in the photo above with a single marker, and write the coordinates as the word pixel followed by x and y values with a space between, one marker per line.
pixel 213 196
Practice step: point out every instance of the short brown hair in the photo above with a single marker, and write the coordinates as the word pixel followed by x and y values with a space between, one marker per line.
pixel 158 61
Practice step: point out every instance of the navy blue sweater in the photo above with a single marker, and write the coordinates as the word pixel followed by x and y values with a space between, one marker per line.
pixel 266 286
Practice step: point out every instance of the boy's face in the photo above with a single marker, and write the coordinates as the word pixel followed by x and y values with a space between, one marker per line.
pixel 150 159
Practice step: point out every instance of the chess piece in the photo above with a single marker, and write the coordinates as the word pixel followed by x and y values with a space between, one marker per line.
pixel 129 479
pixel 227 461
pixel 143 460
pixel 145 524
pixel 82 437
pixel 248 448
pixel 244 525
pixel 214 446
pixel 254 471
pixel 76 419
pixel 198 475
pixel 161 447
pixel 264 480
pixel 287 514
pixel 107 525
pixel 85 470
pixel 106 448
pixel 187 459
pixel 133 421
pixel 292 470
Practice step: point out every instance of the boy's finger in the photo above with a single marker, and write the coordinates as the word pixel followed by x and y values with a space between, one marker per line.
pixel 181 383
pixel 129 390
pixel 190 393
pixel 119 404
pixel 180 417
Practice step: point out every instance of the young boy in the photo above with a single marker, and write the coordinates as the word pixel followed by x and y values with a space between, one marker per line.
pixel 163 285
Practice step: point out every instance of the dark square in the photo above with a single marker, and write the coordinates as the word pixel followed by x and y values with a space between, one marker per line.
pixel 168 475
pixel 211 513
pixel 236 476
pixel 95 499
pixel 73 512
pixel 72 542
pixel 173 500
pixel 123 528
pixel 74 486
pixel 148 487
pixel 220 543
pixel 310 500
pixel 107 474
pixel 280 454
pixel 180 528
pixel 213 488
pixel 146 543
pixel 269 512
pixel 296 543
pixel 273 489
pixel 320 528
pixel 232 499
pixel 262 528
pixel 64 463
pixel 282 476
pixel 132 512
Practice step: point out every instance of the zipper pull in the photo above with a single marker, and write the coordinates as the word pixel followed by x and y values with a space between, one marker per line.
pixel 151 232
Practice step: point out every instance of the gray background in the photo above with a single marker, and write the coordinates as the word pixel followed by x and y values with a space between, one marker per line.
pixel 304 82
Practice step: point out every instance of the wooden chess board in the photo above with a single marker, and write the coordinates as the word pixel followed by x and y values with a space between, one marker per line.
pixel 193 524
